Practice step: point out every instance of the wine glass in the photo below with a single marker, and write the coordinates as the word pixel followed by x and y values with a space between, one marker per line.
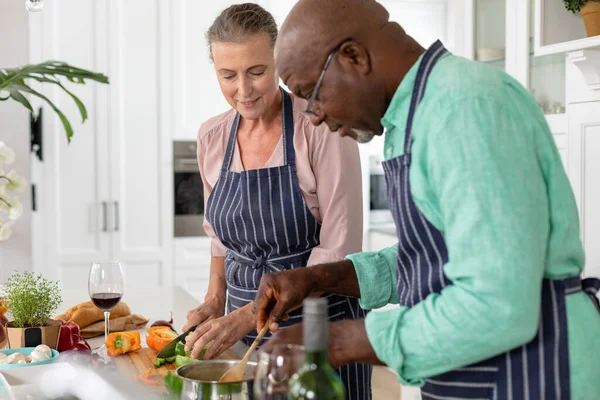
pixel 275 367
pixel 106 287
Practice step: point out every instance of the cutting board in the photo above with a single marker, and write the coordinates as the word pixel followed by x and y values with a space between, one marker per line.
pixel 137 363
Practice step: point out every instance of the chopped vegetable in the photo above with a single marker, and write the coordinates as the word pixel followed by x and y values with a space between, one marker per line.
pixel 180 350
pixel 123 342
pixel 159 336
pixel 180 361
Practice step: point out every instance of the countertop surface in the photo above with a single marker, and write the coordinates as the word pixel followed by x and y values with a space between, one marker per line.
pixel 154 304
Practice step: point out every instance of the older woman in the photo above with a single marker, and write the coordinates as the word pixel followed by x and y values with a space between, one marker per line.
pixel 281 193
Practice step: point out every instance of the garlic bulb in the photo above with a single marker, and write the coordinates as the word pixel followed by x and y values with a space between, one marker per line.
pixel 38 355
pixel 44 349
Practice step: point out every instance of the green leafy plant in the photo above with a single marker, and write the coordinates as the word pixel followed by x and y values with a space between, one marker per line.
pixel 575 5
pixel 13 82
pixel 30 299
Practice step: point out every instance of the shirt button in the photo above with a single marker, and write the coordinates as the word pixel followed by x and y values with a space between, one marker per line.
pixel 388 151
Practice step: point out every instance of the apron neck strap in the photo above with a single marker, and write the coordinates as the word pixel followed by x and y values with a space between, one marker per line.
pixel 430 58
pixel 289 153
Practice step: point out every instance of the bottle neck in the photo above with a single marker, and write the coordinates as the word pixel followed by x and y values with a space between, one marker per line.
pixel 316 336
pixel 318 358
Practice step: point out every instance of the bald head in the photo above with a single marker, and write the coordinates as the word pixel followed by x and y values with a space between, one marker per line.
pixel 368 57
pixel 314 25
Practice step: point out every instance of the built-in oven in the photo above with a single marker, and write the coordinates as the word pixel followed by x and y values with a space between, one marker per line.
pixel 188 191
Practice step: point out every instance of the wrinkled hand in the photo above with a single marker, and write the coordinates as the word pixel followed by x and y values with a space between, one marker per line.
pixel 223 332
pixel 278 294
pixel 212 308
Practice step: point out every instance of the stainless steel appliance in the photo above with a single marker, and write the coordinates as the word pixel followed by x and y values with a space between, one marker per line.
pixel 188 191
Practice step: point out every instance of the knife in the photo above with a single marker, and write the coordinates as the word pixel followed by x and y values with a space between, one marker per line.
pixel 169 349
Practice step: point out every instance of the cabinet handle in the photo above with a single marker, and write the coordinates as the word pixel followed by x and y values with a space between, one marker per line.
pixel 116 203
pixel 104 217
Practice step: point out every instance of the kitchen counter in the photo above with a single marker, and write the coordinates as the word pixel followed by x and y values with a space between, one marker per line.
pixel 154 304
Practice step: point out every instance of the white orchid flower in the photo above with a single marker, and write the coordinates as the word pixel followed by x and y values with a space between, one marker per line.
pixel 13 207
pixel 5 230
pixel 15 182
pixel 7 155
pixel 16 209
pixel 4 203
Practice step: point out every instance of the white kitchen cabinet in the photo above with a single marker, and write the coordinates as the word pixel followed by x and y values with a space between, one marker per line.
pixel 584 170
pixel 192 264
pixel 559 30
pixel 106 195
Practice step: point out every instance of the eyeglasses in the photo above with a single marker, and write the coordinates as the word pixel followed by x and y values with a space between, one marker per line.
pixel 318 85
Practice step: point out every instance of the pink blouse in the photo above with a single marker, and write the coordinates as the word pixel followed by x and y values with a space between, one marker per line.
pixel 329 174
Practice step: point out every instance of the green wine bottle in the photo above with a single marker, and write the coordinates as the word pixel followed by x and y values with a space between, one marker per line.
pixel 316 380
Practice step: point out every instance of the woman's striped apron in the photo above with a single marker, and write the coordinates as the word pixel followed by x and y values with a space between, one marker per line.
pixel 261 218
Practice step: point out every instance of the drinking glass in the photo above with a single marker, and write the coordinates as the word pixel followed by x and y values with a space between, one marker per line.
pixel 275 368
pixel 106 287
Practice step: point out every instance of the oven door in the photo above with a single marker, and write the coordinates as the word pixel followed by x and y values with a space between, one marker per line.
pixel 188 198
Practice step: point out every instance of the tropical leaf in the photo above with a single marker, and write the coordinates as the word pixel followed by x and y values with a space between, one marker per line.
pixel 12 81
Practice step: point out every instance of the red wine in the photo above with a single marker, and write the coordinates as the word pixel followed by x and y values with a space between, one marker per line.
pixel 106 301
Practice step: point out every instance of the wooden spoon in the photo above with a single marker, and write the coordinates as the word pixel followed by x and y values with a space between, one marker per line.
pixel 236 373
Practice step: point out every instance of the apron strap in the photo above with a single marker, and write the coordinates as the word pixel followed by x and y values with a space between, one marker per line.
pixel 590 286
pixel 289 153
pixel 430 58
pixel 231 144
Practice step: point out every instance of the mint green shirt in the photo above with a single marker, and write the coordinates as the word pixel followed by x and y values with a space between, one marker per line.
pixel 485 172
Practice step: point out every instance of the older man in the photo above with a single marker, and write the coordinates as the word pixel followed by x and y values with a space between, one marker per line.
pixel 486 269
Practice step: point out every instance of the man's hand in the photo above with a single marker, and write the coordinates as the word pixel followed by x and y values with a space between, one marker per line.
pixel 279 293
pixel 348 342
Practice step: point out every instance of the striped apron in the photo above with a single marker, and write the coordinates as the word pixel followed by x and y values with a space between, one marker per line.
pixel 538 369
pixel 261 218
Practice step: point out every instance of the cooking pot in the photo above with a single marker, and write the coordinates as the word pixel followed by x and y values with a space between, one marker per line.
pixel 201 381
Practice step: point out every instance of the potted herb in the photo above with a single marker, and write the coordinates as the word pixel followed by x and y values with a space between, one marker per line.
pixel 31 301
pixel 590 11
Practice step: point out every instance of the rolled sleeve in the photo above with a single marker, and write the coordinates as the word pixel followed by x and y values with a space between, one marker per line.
pixel 376 273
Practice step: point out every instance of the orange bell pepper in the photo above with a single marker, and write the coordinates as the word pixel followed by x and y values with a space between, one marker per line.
pixel 159 336
pixel 123 342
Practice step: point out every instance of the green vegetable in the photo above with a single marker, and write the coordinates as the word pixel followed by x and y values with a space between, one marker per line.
pixel 30 299
pixel 161 361
pixel 174 385
pixel 170 360
pixel 158 362
pixel 119 342
pixel 180 350
pixel 180 361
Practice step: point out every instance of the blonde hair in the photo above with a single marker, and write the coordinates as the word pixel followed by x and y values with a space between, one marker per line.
pixel 239 21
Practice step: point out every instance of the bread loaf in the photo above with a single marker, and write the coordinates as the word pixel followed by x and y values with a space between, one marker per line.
pixel 87 313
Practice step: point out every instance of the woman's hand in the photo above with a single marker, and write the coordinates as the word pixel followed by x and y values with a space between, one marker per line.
pixel 212 308
pixel 223 332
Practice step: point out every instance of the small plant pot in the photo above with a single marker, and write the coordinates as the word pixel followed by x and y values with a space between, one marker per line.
pixel 31 337
pixel 590 12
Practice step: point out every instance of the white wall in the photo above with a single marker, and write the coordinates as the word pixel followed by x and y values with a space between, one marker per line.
pixel 15 253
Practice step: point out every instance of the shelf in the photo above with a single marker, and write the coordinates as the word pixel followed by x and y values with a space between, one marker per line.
pixel 566 47
pixel 588 62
